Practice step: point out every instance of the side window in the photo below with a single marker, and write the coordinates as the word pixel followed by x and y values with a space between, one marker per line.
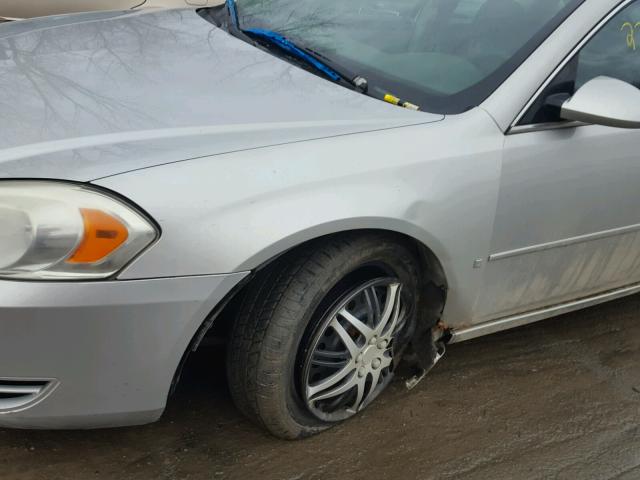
pixel 614 51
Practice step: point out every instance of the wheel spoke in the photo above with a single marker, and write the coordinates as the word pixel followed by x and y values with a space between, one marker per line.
pixel 373 304
pixel 360 395
pixel 345 337
pixel 341 355
pixel 372 390
pixel 333 386
pixel 402 316
pixel 363 328
pixel 391 311
pixel 328 363
pixel 327 358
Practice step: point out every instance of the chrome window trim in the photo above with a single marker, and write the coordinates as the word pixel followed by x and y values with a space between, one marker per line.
pixel 541 127
pixel 514 128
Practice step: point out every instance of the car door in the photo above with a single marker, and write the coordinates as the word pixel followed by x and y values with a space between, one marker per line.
pixel 568 217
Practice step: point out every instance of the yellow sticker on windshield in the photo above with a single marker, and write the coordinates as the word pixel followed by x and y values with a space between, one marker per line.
pixel 631 33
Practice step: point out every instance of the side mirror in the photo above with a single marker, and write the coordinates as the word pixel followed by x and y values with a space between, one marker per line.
pixel 604 101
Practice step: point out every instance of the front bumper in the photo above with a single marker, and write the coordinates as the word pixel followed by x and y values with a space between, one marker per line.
pixel 105 353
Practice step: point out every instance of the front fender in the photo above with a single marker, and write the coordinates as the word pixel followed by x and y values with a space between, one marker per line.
pixel 234 212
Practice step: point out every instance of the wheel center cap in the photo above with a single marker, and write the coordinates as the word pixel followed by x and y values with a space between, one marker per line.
pixel 370 353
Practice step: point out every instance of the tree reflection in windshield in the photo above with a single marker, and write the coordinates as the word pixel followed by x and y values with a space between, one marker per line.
pixel 448 55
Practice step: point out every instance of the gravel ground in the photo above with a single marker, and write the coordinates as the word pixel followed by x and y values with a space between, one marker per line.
pixel 559 399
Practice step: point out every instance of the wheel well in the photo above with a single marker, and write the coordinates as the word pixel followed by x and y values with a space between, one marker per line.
pixel 216 327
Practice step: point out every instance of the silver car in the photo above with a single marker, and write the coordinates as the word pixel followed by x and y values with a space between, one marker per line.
pixel 332 185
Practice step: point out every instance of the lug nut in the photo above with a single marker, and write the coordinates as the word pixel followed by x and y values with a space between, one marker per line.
pixel 382 344
pixel 373 341
pixel 362 372
pixel 376 363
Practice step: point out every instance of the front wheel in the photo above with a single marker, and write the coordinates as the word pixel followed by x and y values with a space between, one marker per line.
pixel 320 332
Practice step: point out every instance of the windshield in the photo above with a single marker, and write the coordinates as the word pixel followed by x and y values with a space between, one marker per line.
pixel 445 56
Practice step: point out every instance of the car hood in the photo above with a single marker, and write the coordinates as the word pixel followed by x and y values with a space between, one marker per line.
pixel 88 96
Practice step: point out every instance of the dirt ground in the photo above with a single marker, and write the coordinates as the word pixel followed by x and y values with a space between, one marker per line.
pixel 559 399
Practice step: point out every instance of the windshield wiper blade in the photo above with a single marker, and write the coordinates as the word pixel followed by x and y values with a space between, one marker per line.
pixel 294 50
pixel 233 13
pixel 300 53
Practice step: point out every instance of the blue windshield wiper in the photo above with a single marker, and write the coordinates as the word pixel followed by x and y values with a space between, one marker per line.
pixel 285 44
pixel 233 13
pixel 295 51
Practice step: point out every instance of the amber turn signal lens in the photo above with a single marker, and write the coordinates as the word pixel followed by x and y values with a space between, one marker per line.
pixel 103 234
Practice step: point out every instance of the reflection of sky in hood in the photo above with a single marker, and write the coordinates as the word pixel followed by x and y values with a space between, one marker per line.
pixel 156 70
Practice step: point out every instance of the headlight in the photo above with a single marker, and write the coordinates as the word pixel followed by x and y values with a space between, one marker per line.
pixel 59 231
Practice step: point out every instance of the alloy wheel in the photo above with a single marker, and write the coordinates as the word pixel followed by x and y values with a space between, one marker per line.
pixel 351 359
